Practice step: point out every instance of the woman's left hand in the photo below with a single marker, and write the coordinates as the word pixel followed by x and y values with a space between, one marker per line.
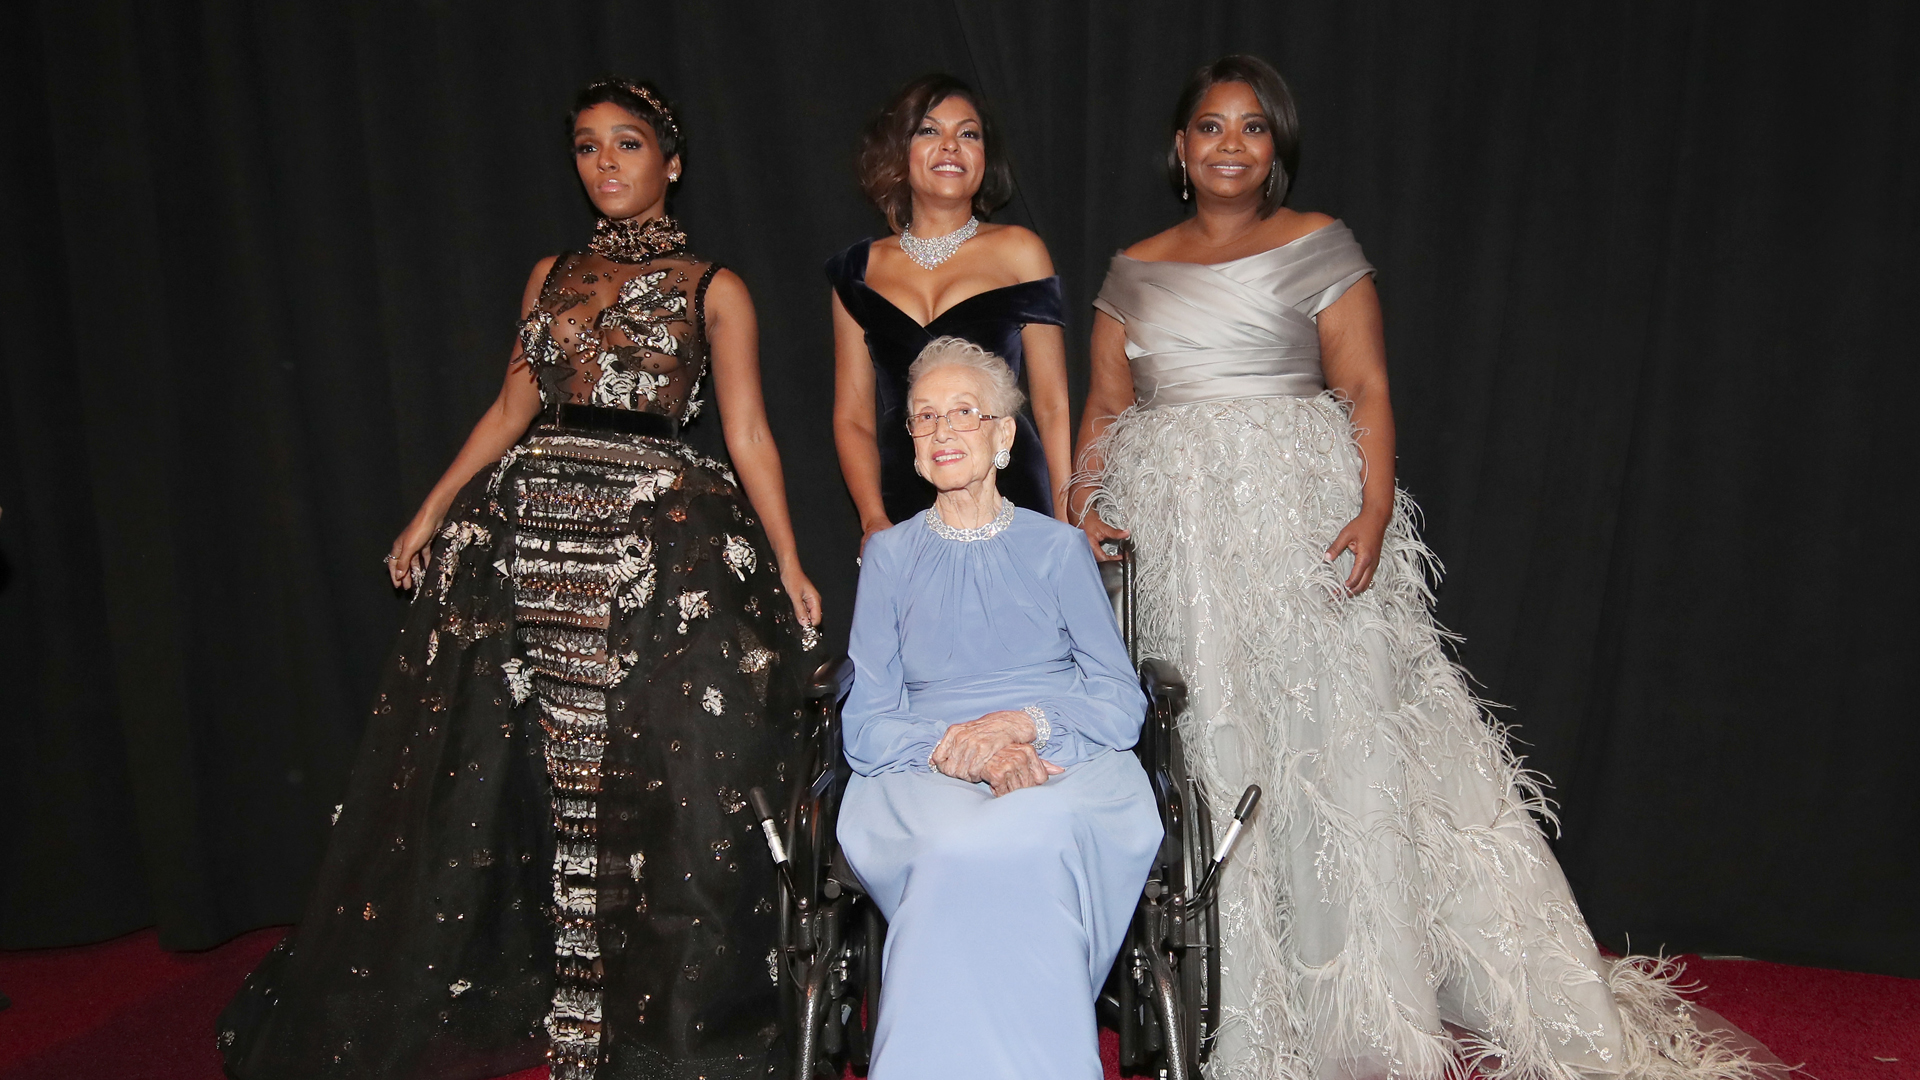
pixel 1364 535
pixel 806 598
pixel 963 752
pixel 1015 767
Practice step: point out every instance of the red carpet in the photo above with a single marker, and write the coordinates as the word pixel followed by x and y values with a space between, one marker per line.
pixel 126 1010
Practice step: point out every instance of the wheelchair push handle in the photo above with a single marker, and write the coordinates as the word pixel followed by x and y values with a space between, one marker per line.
pixel 764 811
pixel 1249 800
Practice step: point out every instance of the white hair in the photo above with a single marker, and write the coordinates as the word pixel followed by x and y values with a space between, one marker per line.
pixel 1003 396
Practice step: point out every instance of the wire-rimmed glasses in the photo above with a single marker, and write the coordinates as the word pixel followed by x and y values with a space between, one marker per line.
pixel 963 419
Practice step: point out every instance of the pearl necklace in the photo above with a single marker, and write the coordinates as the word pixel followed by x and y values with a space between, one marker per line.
pixel 966 536
pixel 932 251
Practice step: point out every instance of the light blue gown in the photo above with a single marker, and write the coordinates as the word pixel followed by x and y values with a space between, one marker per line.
pixel 1004 913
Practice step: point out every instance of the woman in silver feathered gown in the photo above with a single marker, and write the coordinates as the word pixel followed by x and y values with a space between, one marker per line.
pixel 1396 911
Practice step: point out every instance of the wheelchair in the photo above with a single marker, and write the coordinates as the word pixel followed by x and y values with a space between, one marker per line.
pixel 1162 996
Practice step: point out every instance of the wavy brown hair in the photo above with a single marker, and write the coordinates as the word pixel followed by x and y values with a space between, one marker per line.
pixel 882 161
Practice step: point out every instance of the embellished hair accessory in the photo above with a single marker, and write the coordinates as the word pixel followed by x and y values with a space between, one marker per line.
pixel 653 102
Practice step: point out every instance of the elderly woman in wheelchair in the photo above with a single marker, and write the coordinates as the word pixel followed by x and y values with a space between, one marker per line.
pixel 995 816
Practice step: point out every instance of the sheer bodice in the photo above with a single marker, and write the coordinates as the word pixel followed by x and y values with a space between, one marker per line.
pixel 622 335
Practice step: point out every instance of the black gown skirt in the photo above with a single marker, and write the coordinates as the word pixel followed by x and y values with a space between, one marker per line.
pixel 992 320
pixel 545 852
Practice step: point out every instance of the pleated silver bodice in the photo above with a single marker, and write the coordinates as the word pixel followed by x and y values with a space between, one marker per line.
pixel 1235 329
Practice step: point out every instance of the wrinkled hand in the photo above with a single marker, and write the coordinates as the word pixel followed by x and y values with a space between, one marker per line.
pixel 1099 532
pixel 1364 535
pixel 1017 766
pixel 408 558
pixel 869 527
pixel 964 750
pixel 806 598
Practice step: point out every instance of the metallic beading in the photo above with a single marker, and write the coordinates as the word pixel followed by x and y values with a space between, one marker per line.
pixel 631 241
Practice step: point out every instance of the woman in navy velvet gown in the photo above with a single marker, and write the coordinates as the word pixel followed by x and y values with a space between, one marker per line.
pixel 931 162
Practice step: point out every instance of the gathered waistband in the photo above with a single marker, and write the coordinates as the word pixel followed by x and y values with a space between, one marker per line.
pixel 1165 379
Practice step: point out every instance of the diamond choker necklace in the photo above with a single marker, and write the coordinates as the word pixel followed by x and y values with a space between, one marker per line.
pixel 627 240
pixel 988 531
pixel 936 250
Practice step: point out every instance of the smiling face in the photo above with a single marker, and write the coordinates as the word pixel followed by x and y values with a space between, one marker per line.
pixel 953 460
pixel 1228 145
pixel 618 159
pixel 947 158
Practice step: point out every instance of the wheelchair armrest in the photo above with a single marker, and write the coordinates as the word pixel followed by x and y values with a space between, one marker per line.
pixel 1163 685
pixel 831 681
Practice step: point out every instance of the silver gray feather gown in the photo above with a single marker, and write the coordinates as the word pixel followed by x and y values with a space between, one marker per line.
pixel 1397 877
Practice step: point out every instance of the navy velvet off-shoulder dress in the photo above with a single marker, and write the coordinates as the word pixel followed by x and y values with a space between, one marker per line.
pixel 992 320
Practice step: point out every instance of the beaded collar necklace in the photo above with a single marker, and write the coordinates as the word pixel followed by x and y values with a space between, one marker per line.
pixel 966 536
pixel 627 240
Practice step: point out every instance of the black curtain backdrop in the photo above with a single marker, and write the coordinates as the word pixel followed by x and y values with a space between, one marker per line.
pixel 1650 294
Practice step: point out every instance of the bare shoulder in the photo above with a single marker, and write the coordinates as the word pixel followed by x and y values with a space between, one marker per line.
pixel 727 298
pixel 1286 225
pixel 1021 249
pixel 1156 247
pixel 537 282
pixel 1306 221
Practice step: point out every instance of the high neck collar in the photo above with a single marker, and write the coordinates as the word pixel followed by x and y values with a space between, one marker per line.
pixel 629 240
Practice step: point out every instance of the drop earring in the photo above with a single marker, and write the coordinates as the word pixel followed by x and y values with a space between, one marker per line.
pixel 1000 459
pixel 1273 173
pixel 1185 192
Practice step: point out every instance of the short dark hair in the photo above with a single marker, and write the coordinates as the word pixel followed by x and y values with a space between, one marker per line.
pixel 882 161
pixel 1276 101
pixel 642 99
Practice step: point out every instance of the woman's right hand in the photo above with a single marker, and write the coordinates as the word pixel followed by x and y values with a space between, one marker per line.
pixel 1099 532
pixel 869 527
pixel 408 559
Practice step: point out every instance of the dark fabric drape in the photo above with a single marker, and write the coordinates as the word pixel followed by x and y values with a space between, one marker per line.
pixel 1650 303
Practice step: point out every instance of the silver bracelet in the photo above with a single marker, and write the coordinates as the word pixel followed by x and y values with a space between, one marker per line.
pixel 1042 731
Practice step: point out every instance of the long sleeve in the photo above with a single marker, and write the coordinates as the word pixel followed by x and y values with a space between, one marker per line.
pixel 879 732
pixel 1107 708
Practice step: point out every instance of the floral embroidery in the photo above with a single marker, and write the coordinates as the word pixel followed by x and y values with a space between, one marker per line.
pixel 519 680
pixel 713 701
pixel 755 660
pixel 634 571
pixel 459 535
pixel 693 605
pixel 618 384
pixel 648 485
pixel 739 556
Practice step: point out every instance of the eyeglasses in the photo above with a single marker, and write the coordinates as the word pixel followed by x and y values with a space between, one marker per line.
pixel 920 425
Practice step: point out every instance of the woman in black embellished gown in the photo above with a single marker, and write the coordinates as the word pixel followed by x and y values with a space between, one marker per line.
pixel 932 163
pixel 545 852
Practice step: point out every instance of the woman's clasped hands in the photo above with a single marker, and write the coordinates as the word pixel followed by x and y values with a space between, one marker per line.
pixel 996 750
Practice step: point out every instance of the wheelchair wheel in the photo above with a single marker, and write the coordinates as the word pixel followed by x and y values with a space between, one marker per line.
pixel 831 935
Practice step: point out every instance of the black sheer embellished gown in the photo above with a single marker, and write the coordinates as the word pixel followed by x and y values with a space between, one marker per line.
pixel 545 851
pixel 992 320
